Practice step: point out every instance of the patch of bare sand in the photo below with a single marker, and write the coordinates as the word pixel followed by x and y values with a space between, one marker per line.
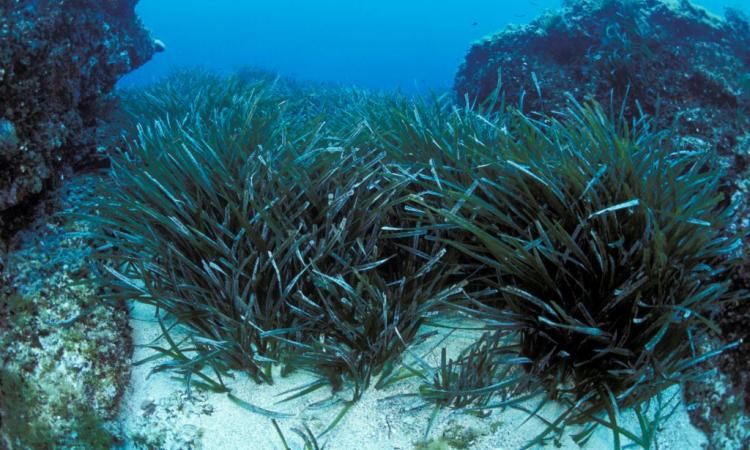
pixel 156 413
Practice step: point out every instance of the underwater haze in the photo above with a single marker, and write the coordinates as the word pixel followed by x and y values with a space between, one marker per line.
pixel 412 45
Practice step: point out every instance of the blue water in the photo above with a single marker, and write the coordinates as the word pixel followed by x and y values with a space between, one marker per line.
pixel 412 45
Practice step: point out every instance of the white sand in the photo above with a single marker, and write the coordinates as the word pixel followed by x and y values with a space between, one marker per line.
pixel 157 409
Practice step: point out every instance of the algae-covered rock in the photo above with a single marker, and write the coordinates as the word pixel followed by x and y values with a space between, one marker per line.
pixel 158 427
pixel 64 356
pixel 672 57
pixel 59 61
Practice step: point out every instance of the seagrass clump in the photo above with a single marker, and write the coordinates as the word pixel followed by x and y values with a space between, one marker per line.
pixel 609 250
pixel 259 243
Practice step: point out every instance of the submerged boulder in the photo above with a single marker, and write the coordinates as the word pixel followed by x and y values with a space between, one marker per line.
pixel 671 57
pixel 59 62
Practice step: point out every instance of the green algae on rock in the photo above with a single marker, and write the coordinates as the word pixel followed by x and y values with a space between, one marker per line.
pixel 65 357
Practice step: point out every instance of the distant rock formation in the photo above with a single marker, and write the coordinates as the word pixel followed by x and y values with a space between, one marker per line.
pixel 59 61
pixel 670 56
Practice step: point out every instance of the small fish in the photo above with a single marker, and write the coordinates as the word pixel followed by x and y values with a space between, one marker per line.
pixel 475 24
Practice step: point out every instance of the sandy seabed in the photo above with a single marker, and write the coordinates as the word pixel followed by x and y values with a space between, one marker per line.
pixel 157 413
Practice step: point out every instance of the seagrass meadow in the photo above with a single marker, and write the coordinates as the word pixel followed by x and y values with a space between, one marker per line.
pixel 422 225
pixel 278 228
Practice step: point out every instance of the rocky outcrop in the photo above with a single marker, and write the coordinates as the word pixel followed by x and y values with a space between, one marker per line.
pixel 670 56
pixel 64 356
pixel 59 61
pixel 676 62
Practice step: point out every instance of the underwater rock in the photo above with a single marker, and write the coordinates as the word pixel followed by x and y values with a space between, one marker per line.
pixel 159 425
pixel 672 57
pixel 59 61
pixel 64 356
